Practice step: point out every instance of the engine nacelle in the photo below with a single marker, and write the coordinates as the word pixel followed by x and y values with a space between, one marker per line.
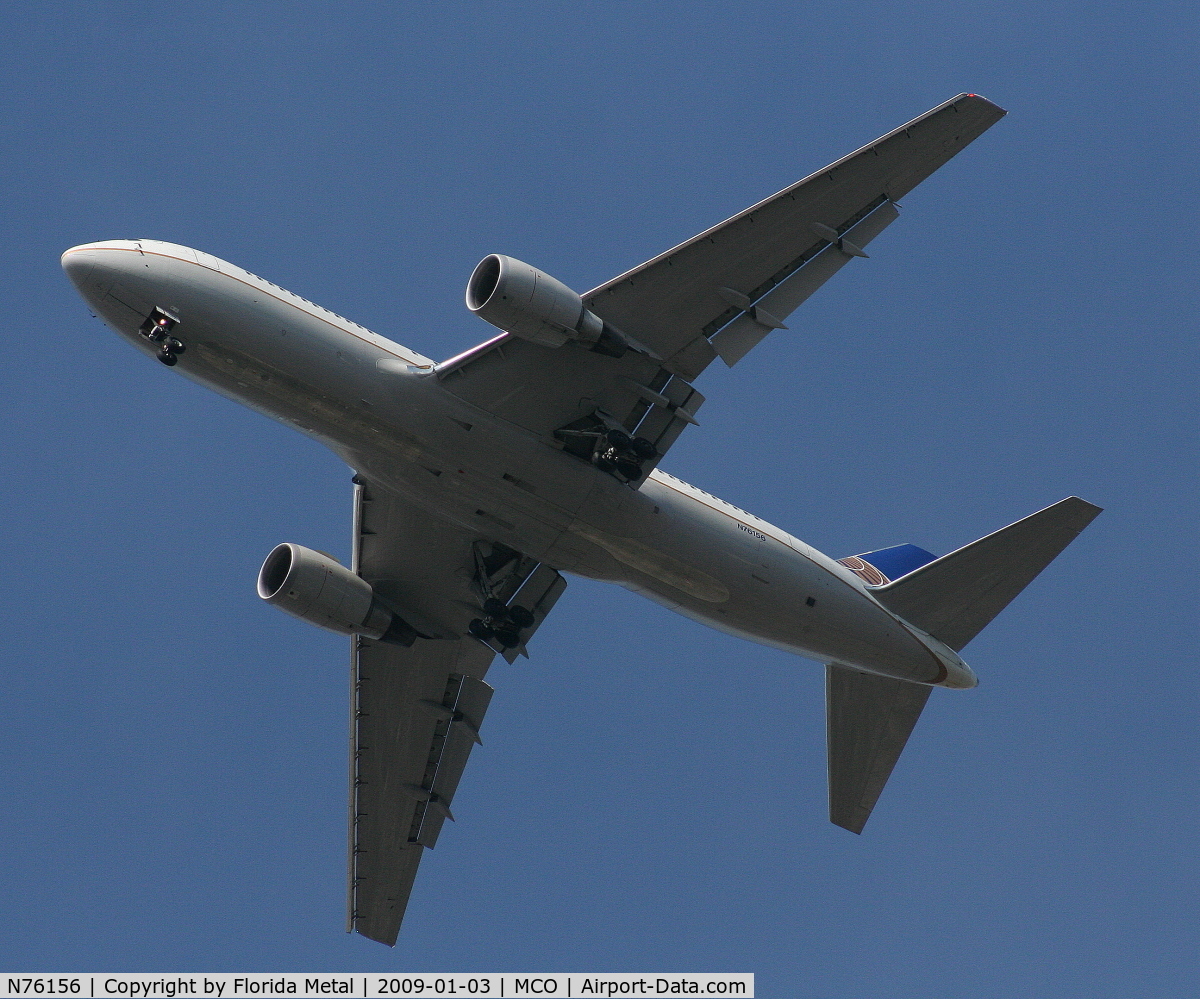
pixel 319 590
pixel 528 303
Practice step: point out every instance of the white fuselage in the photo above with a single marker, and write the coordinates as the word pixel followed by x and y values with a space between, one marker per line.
pixel 385 411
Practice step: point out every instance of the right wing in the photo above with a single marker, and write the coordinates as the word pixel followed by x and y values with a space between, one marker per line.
pixel 415 711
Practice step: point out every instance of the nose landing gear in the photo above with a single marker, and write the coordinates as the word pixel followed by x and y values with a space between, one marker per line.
pixel 169 350
pixel 157 329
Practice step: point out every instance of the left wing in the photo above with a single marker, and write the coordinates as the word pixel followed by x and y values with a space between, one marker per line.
pixel 718 294
pixel 415 712
pixel 678 302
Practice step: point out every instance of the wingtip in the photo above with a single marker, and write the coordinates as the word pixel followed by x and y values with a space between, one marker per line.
pixel 1083 512
pixel 983 100
pixel 385 938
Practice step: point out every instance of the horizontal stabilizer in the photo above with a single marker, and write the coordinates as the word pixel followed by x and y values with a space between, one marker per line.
pixel 868 720
pixel 955 596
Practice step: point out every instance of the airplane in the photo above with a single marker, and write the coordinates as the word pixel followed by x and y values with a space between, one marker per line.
pixel 481 479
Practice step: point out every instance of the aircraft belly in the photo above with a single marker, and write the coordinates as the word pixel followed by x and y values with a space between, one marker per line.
pixel 702 562
pixel 398 425
pixel 403 433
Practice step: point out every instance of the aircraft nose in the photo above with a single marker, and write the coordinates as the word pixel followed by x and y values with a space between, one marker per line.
pixel 78 262
pixel 93 268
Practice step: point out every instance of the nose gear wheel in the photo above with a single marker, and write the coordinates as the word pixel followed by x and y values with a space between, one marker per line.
pixel 157 329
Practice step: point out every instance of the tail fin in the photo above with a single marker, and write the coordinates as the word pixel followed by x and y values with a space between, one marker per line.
pixel 869 718
pixel 886 564
pixel 954 597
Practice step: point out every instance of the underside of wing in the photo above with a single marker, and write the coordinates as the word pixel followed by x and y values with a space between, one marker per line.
pixel 622 400
pixel 593 406
pixel 416 715
pixel 678 302
pixel 868 721
pixel 416 710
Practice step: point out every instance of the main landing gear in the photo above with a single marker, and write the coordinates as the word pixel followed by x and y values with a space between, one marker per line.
pixel 617 452
pixel 501 623
pixel 609 448
pixel 157 329
pixel 515 593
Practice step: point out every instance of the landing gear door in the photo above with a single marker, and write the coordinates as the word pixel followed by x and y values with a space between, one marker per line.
pixel 538 595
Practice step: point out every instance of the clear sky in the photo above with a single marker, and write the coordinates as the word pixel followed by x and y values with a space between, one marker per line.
pixel 651 794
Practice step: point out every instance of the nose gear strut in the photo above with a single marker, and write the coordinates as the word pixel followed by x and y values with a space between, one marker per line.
pixel 156 329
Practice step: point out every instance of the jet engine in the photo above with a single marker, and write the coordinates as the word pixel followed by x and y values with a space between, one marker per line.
pixel 525 302
pixel 315 588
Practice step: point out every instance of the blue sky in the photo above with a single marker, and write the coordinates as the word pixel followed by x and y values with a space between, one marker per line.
pixel 651 794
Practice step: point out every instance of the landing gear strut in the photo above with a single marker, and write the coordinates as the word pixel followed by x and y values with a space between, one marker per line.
pixel 500 574
pixel 501 624
pixel 617 452
pixel 157 329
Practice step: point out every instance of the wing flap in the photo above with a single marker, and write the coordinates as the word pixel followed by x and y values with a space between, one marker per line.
pixel 742 335
pixel 868 721
pixel 460 713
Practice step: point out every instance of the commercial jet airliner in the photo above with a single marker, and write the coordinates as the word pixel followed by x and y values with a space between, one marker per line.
pixel 481 479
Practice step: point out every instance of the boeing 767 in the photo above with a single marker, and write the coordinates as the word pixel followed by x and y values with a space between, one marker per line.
pixel 481 479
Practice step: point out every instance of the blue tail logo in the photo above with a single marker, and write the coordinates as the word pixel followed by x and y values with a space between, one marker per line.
pixel 887 564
